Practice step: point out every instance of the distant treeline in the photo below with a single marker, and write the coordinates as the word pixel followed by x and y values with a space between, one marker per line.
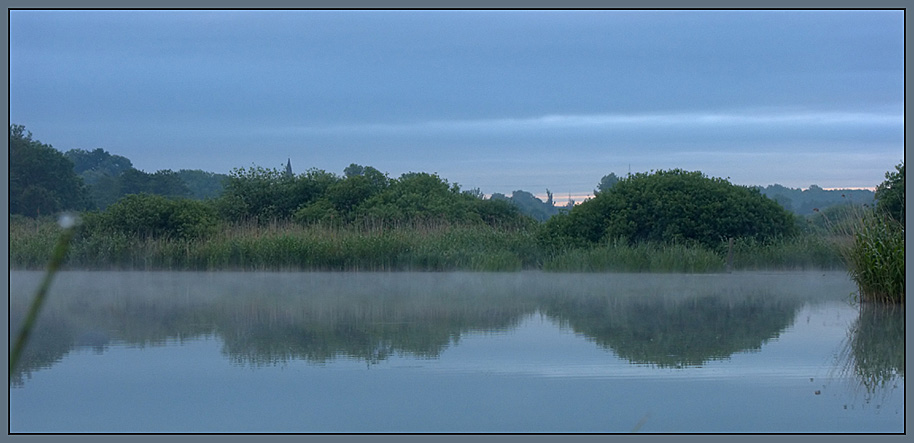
pixel 44 180
pixel 807 201
pixel 261 218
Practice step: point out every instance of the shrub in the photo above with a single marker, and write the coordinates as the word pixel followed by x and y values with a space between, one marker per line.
pixel 673 207
pixel 146 215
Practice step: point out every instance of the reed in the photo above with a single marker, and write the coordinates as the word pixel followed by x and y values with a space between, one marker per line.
pixel 800 252
pixel 642 257
pixel 418 245
pixel 871 245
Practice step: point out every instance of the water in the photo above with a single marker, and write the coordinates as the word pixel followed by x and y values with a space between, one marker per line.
pixel 529 352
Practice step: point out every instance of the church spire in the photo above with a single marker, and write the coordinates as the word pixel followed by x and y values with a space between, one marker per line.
pixel 288 173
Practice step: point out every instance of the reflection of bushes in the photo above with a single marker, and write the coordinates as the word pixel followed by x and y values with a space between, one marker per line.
pixel 371 327
pixel 876 350
pixel 265 344
pixel 82 311
pixel 678 332
pixel 267 318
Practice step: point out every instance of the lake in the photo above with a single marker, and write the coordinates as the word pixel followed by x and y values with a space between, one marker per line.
pixel 525 352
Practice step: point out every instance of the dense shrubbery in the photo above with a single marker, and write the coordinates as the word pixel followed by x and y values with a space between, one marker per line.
pixel 671 207
pixel 145 215
pixel 264 195
pixel 365 196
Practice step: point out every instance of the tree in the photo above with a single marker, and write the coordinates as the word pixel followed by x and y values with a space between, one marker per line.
pixel 606 183
pixel 673 206
pixel 890 194
pixel 202 184
pixel 164 182
pixel 42 180
pixel 534 207
pixel 348 193
pixel 267 195
pixel 377 179
pixel 91 165
pixel 419 196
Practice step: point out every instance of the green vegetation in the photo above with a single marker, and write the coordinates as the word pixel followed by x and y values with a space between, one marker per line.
pixel 434 246
pixel 890 194
pixel 110 177
pixel 640 257
pixel 263 218
pixel 871 241
pixel 42 181
pixel 530 205
pixel 153 216
pixel 671 207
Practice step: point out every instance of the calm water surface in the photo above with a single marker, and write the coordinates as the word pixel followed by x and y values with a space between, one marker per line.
pixel 756 352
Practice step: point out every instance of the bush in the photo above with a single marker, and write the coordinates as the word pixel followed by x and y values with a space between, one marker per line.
pixel 672 207
pixel 146 215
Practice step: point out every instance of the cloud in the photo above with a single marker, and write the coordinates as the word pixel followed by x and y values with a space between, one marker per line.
pixel 616 121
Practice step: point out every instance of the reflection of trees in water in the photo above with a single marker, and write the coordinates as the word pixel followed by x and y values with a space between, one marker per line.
pixel 94 309
pixel 269 318
pixel 47 345
pixel 677 331
pixel 371 330
pixel 95 319
pixel 874 351
pixel 368 317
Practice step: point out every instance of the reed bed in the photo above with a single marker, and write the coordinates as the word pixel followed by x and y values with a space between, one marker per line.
pixel 801 252
pixel 289 247
pixel 642 257
pixel 875 259
pixel 418 246
pixel 871 245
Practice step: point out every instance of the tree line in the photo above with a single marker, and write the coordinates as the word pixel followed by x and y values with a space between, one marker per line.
pixel 673 206
pixel 44 180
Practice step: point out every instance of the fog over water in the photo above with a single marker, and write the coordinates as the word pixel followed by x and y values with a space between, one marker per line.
pixel 456 352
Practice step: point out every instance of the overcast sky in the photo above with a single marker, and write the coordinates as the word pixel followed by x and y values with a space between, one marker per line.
pixel 495 100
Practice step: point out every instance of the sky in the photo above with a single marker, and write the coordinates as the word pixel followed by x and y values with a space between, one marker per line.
pixel 496 100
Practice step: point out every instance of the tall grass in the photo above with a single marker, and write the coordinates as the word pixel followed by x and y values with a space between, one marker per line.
pixel 421 245
pixel 872 246
pixel 416 246
pixel 642 257
pixel 809 251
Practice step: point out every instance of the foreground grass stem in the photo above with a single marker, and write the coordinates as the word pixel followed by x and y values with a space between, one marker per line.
pixel 60 252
